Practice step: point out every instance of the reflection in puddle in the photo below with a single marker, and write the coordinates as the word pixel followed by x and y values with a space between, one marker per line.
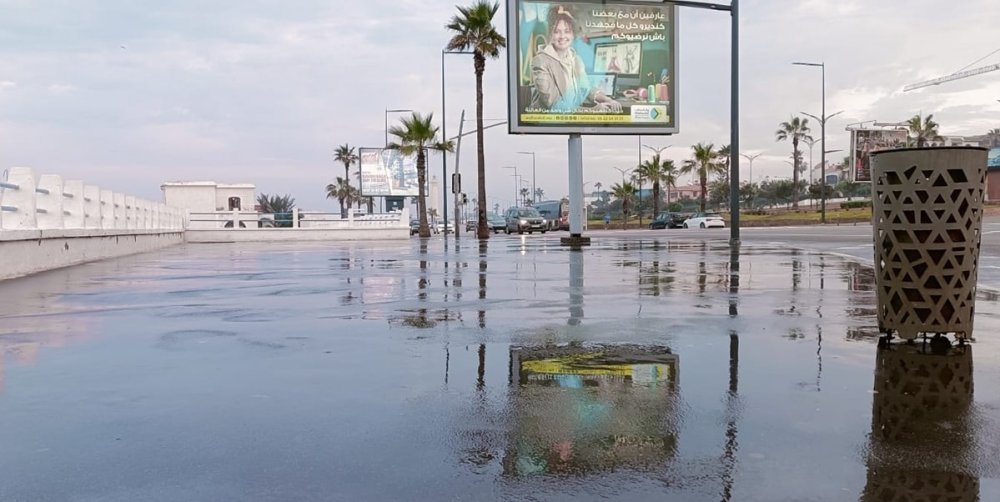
pixel 921 445
pixel 583 409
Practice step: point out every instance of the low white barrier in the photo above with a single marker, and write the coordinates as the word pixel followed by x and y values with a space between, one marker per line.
pixel 48 223
pixel 48 203
pixel 249 226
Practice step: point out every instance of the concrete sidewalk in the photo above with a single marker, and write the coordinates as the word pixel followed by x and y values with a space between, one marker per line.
pixel 633 368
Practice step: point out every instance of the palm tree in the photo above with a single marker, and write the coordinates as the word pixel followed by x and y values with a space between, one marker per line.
pixel 659 172
pixel 624 192
pixel 416 136
pixel 275 203
pixel 704 164
pixel 345 154
pixel 539 193
pixel 796 129
pixel 343 192
pixel 923 130
pixel 473 30
pixel 993 138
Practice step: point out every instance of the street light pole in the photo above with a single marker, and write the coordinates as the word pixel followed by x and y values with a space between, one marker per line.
pixel 387 112
pixel 517 186
pixel 751 159
pixel 822 126
pixel 444 136
pixel 534 197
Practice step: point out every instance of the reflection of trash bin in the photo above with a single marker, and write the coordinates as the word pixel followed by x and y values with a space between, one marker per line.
pixel 927 218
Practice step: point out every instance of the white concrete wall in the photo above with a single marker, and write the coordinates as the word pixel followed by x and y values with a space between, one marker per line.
pixel 297 234
pixel 246 193
pixel 190 197
pixel 29 251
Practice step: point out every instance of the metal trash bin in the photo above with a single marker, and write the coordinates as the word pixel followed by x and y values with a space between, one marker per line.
pixel 927 219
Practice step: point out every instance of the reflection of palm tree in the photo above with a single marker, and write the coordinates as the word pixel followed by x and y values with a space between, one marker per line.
pixel 473 30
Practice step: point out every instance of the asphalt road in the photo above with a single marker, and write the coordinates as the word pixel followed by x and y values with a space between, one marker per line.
pixel 852 241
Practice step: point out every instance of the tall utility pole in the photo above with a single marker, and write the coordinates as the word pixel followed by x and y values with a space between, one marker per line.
pixel 822 125
pixel 533 191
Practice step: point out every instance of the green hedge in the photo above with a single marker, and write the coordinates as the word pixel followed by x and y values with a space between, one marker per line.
pixel 855 204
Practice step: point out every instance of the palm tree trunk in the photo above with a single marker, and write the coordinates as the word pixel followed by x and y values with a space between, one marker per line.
pixel 425 231
pixel 656 198
pixel 703 181
pixel 482 231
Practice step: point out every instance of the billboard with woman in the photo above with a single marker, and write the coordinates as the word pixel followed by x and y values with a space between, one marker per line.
pixel 592 68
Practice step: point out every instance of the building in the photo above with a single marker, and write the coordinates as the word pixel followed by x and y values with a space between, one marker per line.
pixel 208 196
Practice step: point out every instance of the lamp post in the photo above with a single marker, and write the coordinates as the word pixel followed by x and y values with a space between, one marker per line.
pixel 444 134
pixel 387 112
pixel 534 197
pixel 517 186
pixel 822 134
pixel 751 159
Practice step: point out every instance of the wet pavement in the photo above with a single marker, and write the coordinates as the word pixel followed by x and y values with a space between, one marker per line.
pixel 638 367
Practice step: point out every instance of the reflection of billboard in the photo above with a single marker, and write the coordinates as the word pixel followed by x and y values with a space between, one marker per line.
pixel 994 158
pixel 562 53
pixel 585 409
pixel 866 141
pixel 387 172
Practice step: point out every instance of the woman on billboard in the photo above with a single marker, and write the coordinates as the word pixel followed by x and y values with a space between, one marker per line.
pixel 558 74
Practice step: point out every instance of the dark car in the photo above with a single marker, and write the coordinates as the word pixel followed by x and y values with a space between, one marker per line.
pixel 414 227
pixel 494 222
pixel 525 219
pixel 667 219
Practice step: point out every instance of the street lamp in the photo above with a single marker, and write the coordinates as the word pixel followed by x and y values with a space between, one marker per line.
pixel 533 192
pixel 444 134
pixel 387 112
pixel 623 171
pixel 822 147
pixel 751 159
pixel 517 185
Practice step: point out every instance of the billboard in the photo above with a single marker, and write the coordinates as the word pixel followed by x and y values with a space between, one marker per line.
pixel 386 172
pixel 865 141
pixel 586 67
pixel 993 158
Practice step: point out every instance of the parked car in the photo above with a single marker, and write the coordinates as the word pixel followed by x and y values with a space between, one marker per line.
pixel 443 227
pixel 414 227
pixel 494 222
pixel 704 220
pixel 525 219
pixel 666 219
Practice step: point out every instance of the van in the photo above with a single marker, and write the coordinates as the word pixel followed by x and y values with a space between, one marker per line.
pixel 555 212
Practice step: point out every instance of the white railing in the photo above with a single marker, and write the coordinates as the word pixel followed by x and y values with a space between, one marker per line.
pixel 235 220
pixel 47 203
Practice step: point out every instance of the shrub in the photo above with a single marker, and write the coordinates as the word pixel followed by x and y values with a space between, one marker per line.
pixel 855 204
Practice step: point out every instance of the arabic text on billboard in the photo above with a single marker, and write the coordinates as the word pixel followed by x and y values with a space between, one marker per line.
pixel 387 172
pixel 872 140
pixel 593 68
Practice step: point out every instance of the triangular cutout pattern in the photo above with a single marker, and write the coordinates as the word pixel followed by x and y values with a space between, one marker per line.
pixel 927 239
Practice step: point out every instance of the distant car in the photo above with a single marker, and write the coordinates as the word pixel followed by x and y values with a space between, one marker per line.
pixel 443 227
pixel 667 219
pixel 494 222
pixel 525 219
pixel 414 227
pixel 705 220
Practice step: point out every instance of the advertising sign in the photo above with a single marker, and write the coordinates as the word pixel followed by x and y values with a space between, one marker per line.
pixel 585 67
pixel 866 141
pixel 993 159
pixel 385 172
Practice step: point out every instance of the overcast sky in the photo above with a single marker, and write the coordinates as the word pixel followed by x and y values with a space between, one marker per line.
pixel 128 94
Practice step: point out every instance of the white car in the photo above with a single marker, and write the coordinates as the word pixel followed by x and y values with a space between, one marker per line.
pixel 704 220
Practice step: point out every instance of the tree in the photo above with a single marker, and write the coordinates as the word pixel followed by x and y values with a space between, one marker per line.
pixel 624 192
pixel 473 30
pixel 796 129
pixel 703 164
pixel 343 192
pixel 416 135
pixel 993 138
pixel 539 193
pixel 659 172
pixel 275 203
pixel 923 129
pixel 345 154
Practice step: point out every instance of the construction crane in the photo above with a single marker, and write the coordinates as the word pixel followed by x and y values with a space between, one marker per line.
pixel 953 76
